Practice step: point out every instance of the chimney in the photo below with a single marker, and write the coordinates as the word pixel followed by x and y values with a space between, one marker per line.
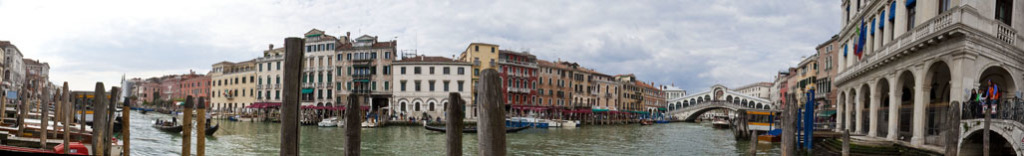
pixel 348 35
pixel 271 47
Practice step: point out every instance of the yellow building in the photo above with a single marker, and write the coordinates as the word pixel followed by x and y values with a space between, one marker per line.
pixel 232 85
pixel 482 56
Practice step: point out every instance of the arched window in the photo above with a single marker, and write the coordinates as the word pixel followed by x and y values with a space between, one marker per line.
pixel 430 106
pixel 417 106
pixel 402 106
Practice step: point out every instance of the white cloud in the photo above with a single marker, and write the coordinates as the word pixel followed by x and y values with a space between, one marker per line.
pixel 692 44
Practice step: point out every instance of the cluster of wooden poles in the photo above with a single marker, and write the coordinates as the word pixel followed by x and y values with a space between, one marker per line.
pixel 199 109
pixel 491 126
pixel 64 107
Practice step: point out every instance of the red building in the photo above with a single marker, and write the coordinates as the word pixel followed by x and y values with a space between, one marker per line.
pixel 518 72
pixel 195 86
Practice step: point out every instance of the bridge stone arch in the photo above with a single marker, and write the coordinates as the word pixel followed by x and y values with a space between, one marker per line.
pixel 717 97
pixel 1010 131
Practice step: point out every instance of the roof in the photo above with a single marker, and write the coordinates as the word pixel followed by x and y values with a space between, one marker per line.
pixel 673 88
pixel 481 43
pixel 429 60
pixel 527 54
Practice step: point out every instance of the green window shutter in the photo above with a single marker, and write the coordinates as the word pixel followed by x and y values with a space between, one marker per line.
pixel 373 85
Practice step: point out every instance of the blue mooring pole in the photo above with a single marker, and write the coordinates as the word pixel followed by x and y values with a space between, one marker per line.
pixel 809 120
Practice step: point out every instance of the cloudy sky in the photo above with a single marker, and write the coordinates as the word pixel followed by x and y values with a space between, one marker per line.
pixel 692 44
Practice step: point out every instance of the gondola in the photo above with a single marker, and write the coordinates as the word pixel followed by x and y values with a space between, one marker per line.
pixel 473 130
pixel 165 128
pixel 211 130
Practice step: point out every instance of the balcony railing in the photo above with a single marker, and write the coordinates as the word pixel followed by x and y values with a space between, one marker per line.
pixel 966 16
pixel 520 63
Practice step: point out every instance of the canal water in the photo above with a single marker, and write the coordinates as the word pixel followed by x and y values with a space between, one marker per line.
pixel 260 138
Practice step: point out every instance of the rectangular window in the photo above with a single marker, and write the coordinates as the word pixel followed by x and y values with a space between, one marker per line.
pixel 401 70
pixel 401 85
pixel 387 70
pixel 278 65
pixel 373 85
pixel 348 56
pixel 461 71
pixel 387 55
pixel 386 86
pixel 431 70
pixel 446 71
pixel 349 85
pixel 261 66
pixel 431 83
pixel 1004 11
pixel 417 85
pixel 277 95
pixel 460 85
pixel 329 94
pixel 910 16
pixel 416 70
pixel 446 86
pixel 476 72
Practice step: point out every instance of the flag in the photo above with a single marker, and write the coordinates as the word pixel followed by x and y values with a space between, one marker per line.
pixel 859 50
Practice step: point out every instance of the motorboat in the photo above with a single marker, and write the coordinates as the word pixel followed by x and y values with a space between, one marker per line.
pixel 539 123
pixel 329 122
pixel 720 123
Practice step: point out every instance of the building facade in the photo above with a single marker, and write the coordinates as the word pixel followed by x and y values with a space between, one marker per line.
pixel 483 56
pixel 365 65
pixel 37 77
pixel 318 69
pixel 424 85
pixel 518 71
pixel 757 89
pixel 233 85
pixel 14 68
pixel 269 70
pixel 911 59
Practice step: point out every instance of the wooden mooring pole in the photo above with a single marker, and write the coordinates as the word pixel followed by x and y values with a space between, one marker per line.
pixel 99 114
pixel 186 127
pixel 201 127
pixel 753 144
pixel 789 130
pixel 125 128
pixel 453 129
pixel 66 118
pixel 953 134
pixel 352 125
pixel 290 107
pixel 492 118
pixel 846 142
pixel 44 112
pixel 988 122
pixel 111 117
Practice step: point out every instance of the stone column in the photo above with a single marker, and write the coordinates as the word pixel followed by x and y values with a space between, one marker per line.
pixel 900 25
pixel 873 110
pixel 919 107
pixel 839 109
pixel 894 108
pixel 849 110
pixel 858 109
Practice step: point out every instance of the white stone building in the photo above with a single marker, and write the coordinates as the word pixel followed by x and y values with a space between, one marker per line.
pixel 424 84
pixel 758 89
pixel 903 62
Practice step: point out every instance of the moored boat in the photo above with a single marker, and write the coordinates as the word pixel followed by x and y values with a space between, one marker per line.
pixel 720 123
pixel 329 122
pixel 474 130
pixel 646 122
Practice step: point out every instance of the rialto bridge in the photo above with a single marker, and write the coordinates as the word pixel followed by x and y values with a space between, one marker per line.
pixel 901 90
pixel 689 107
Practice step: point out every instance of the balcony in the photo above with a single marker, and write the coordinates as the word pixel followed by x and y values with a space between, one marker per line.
pixel 518 63
pixel 362 77
pixel 957 20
